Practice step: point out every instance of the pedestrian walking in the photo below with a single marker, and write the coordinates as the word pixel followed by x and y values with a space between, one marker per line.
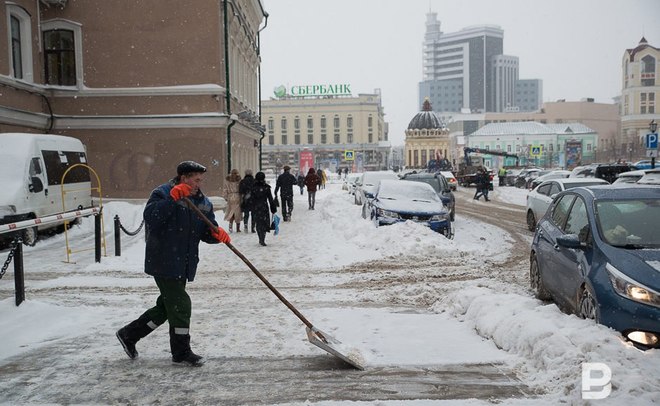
pixel 322 178
pixel 262 206
pixel 482 184
pixel 501 174
pixel 301 182
pixel 312 181
pixel 284 184
pixel 245 189
pixel 230 191
pixel 172 233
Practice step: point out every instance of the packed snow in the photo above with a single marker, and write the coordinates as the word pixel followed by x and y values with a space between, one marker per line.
pixel 473 321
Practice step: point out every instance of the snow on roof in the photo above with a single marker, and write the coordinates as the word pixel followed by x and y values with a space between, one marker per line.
pixel 532 128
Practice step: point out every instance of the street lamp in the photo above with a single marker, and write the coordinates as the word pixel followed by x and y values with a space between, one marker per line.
pixel 653 126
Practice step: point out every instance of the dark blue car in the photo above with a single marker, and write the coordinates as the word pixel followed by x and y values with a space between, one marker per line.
pixel 399 201
pixel 596 253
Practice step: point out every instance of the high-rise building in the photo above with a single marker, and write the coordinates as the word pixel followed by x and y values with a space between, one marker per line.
pixel 467 70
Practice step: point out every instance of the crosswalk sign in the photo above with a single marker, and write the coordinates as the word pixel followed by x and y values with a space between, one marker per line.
pixel 536 150
pixel 349 155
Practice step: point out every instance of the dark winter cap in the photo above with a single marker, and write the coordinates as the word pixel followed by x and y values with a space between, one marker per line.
pixel 260 176
pixel 187 167
pixel 286 167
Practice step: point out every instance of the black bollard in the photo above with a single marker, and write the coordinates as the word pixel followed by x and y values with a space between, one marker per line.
pixel 19 278
pixel 117 236
pixel 97 238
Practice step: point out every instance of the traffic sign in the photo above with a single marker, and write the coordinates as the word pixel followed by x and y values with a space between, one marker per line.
pixel 652 141
pixel 652 153
pixel 349 155
pixel 536 150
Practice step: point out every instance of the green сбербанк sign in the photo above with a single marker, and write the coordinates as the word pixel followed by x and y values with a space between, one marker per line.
pixel 314 90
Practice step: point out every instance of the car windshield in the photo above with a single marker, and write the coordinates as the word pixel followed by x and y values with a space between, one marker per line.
pixel 434 182
pixel 629 223
pixel 401 190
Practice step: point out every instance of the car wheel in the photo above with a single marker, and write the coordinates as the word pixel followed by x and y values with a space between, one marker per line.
pixel 531 220
pixel 30 236
pixel 587 305
pixel 536 281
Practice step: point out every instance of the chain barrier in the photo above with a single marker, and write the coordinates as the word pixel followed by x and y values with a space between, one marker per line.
pixel 10 257
pixel 129 232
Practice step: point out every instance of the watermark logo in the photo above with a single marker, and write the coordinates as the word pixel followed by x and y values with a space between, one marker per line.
pixel 596 380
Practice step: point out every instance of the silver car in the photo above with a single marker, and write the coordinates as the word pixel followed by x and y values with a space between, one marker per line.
pixel 539 199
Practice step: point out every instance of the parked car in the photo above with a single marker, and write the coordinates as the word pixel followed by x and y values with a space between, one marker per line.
pixel 451 179
pixel 643 164
pixel 398 201
pixel 596 253
pixel 441 187
pixel 609 172
pixel 652 177
pixel 366 186
pixel 523 177
pixel 510 177
pixel 539 199
pixel 556 174
pixel 349 182
pixel 630 176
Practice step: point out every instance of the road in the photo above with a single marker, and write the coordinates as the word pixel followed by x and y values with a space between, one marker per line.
pixel 43 375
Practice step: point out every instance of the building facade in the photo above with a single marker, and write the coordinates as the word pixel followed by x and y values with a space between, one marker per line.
pixel 467 71
pixel 427 138
pixel 145 85
pixel 325 126
pixel 602 118
pixel 563 145
pixel 639 98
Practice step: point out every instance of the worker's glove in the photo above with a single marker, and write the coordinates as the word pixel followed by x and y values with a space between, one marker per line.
pixel 180 191
pixel 221 235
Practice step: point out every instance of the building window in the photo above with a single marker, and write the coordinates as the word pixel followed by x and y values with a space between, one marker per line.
pixel 415 158
pixel 310 138
pixel 310 122
pixel 60 57
pixel 21 46
pixel 323 122
pixel 336 138
pixel 349 122
pixel 271 124
pixel 648 71
pixel 508 148
pixel 296 123
pixel 283 123
pixel 423 157
pixel 296 138
pixel 588 147
pixel 349 137
pixel 370 121
pixel 371 138
pixel 284 138
pixel 324 138
pixel 335 122
pixel 271 139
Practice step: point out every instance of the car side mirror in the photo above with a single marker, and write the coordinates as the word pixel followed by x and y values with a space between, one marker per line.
pixel 36 185
pixel 570 241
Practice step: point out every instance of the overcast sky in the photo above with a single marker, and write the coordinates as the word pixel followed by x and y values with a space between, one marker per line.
pixel 574 46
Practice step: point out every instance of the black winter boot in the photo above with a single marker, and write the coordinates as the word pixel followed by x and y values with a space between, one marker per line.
pixel 130 334
pixel 180 346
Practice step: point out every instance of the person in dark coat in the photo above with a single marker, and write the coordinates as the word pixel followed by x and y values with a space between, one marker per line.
pixel 172 233
pixel 482 184
pixel 262 199
pixel 301 182
pixel 245 189
pixel 311 182
pixel 284 184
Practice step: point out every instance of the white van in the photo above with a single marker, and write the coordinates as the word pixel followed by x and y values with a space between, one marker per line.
pixel 31 170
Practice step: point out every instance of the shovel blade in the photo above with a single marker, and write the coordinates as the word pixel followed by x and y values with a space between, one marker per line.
pixel 334 347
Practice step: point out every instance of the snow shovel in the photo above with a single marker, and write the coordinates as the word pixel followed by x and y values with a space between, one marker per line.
pixel 315 336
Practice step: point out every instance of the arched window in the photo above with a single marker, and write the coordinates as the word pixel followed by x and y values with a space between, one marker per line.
pixel 62 53
pixel 648 71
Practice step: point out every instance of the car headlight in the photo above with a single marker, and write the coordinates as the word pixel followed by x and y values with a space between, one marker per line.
pixel 387 213
pixel 631 289
pixel 440 217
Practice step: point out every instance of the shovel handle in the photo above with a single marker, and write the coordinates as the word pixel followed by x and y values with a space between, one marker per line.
pixel 252 267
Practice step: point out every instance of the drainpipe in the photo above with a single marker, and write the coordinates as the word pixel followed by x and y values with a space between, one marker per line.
pixel 227 86
pixel 263 133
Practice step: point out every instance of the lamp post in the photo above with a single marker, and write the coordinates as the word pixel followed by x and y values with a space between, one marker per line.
pixel 653 126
